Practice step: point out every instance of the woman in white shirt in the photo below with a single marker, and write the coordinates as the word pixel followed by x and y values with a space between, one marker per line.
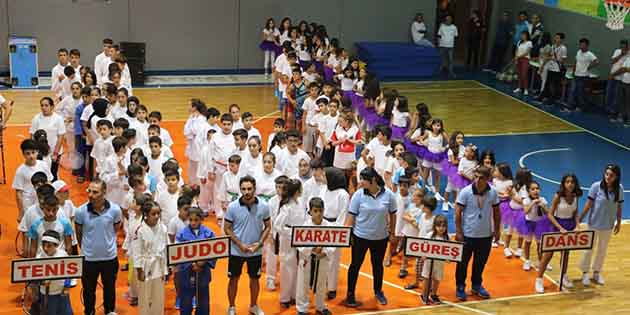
pixel 521 59
pixel 55 128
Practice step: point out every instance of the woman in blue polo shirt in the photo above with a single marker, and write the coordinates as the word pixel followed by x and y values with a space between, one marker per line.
pixel 601 210
pixel 372 215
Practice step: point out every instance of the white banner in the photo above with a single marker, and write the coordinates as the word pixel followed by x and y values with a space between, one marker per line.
pixel 320 236
pixel 552 242
pixel 212 248
pixel 38 269
pixel 433 248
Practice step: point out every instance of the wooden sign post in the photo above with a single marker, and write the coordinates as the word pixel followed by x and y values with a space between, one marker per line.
pixel 433 249
pixel 558 242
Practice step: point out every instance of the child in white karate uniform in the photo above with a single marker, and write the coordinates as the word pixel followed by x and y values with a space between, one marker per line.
pixel 192 126
pixel 103 145
pixel 114 173
pixel 270 247
pixel 221 147
pixel 317 258
pixel 205 172
pixel 291 213
pixel 149 256
pixel 167 198
pixel 229 189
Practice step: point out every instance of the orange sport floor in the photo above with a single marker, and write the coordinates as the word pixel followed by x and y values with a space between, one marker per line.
pixel 503 278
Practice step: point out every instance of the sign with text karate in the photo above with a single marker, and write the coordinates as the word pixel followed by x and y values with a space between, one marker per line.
pixel 576 240
pixel 212 248
pixel 320 236
pixel 433 248
pixel 53 268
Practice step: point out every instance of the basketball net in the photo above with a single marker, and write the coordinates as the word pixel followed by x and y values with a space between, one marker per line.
pixel 616 10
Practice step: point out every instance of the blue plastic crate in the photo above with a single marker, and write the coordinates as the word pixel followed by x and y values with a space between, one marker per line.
pixel 23 62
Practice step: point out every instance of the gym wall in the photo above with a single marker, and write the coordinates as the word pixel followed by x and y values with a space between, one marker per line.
pixel 196 34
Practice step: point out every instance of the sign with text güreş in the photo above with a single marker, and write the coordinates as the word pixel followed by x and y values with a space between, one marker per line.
pixel 53 268
pixel 552 242
pixel 320 236
pixel 433 248
pixel 212 248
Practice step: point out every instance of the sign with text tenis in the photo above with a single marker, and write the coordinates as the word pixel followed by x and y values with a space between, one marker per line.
pixel 39 269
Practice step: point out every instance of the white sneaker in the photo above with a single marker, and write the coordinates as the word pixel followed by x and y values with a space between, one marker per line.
pixel 444 206
pixel 112 313
pixel 73 283
pixel 527 265
pixel 586 281
pixel 517 91
pixel 255 310
pixel 567 283
pixel 525 93
pixel 549 267
pixel 231 310
pixel 540 285
pixel 519 252
pixel 597 277
pixel 507 252
pixel 495 244
pixel 271 285
pixel 501 242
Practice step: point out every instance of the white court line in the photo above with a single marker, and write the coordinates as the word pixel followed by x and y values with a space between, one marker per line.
pixel 524 133
pixel 393 285
pixel 556 117
pixel 267 116
pixel 521 163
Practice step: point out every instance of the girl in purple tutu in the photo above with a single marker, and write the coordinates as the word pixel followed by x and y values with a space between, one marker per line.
pixel 515 208
pixel 562 217
pixel 454 154
pixel 346 82
pixel 270 44
pixel 502 183
pixel 400 119
pixel 535 208
pixel 467 166
pixel 436 141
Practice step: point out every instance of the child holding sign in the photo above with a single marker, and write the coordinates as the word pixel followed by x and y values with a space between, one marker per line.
pixel 194 278
pixel 52 293
pixel 440 231
pixel 149 257
pixel 562 217
pixel 313 265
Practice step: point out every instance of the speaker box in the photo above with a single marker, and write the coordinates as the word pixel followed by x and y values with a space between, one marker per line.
pixel 136 69
pixel 136 51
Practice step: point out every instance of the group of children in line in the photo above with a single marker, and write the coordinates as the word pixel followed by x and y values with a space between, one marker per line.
pixel 305 177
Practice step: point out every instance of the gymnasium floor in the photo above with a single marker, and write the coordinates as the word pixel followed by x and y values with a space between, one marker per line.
pixel 519 133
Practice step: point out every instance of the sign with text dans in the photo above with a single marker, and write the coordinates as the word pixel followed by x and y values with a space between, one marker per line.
pixel 576 240
pixel 433 248
pixel 53 268
pixel 212 248
pixel 320 236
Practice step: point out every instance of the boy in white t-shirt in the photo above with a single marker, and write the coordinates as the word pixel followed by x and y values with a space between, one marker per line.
pixel 248 124
pixel 103 145
pixel 309 109
pixel 167 198
pixel 585 60
pixel 613 106
pixel 447 35
pixel 155 118
pixel 24 190
pixel 379 146
pixel 319 121
pixel 419 31
pixel 156 158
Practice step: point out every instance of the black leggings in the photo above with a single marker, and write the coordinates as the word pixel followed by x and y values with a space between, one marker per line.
pixel 377 254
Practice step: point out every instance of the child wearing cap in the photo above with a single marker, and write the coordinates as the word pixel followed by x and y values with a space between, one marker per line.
pixel 53 291
pixel 62 192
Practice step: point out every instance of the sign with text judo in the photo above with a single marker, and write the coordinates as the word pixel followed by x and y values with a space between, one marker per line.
pixel 53 268
pixel 212 248
pixel 433 248
pixel 320 236
pixel 576 240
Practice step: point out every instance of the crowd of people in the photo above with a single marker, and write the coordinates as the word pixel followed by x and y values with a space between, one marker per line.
pixel 345 153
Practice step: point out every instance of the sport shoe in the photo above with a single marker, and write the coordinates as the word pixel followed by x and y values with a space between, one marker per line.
pixel 445 206
pixel 231 310
pixel 402 274
pixel 519 252
pixel 567 283
pixel 177 303
pixel 597 277
pixel 424 299
pixel 351 301
pixel 112 313
pixel 481 292
pixel 255 310
pixel 270 284
pixel 507 252
pixel 540 285
pixel 525 93
pixel 495 244
pixel 461 293
pixel 527 265
pixel 323 312
pixel 380 297
pixel 586 281
pixel 73 283
pixel 436 299
pixel 517 91
pixel 331 295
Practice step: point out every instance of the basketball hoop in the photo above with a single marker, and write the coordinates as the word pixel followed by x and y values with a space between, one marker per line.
pixel 616 10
